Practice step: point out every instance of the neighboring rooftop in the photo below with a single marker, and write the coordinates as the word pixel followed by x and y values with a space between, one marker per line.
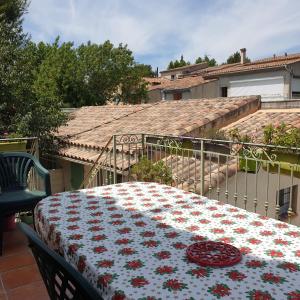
pixel 181 83
pixel 275 62
pixel 254 124
pixel 91 127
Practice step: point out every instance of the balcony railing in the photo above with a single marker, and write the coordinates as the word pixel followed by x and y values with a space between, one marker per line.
pixel 257 177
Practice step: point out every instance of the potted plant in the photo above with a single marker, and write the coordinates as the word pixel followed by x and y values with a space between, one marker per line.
pixel 12 145
pixel 146 170
pixel 26 217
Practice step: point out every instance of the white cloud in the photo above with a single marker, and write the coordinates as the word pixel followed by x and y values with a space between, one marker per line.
pixel 158 31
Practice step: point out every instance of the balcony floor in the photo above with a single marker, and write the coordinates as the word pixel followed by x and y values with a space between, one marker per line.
pixel 19 274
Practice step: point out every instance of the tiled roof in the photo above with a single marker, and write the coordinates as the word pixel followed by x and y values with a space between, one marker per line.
pixel 181 83
pixel 253 124
pixel 90 156
pixel 186 172
pixel 91 127
pixel 155 80
pixel 267 63
pixel 90 117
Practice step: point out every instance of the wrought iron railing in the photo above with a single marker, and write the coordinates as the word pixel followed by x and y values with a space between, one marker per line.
pixel 258 177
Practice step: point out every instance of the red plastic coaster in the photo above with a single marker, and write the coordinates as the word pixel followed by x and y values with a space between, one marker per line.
pixel 213 254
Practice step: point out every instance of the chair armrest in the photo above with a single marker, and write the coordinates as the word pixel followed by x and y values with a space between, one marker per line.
pixel 44 173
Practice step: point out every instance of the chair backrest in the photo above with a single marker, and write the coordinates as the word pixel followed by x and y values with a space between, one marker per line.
pixel 14 170
pixel 63 282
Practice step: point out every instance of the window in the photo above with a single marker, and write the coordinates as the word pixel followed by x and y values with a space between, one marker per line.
pixel 177 96
pixel 284 200
pixel 296 95
pixel 224 91
pixel 172 77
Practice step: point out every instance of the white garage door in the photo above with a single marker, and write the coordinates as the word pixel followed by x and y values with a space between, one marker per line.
pixel 268 88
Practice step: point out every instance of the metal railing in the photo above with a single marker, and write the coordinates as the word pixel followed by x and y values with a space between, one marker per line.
pixel 257 177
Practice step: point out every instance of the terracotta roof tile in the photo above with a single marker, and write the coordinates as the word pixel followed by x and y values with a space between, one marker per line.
pixel 89 117
pixel 181 83
pixel 186 172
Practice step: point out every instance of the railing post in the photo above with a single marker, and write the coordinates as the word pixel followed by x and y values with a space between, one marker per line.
pixel 143 144
pixel 115 157
pixel 202 174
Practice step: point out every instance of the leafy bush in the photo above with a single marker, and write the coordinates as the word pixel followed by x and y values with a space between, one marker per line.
pixel 146 170
pixel 282 135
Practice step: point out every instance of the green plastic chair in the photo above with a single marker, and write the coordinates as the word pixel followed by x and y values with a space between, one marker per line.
pixel 62 280
pixel 15 195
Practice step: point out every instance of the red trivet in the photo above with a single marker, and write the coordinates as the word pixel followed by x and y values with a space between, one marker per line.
pixel 213 254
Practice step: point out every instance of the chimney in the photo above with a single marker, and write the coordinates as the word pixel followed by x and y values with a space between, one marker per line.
pixel 243 55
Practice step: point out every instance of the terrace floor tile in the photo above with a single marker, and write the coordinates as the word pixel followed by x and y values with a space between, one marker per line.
pixel 20 276
pixel 33 291
pixel 15 261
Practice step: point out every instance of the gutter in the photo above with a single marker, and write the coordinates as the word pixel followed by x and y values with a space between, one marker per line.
pixel 290 70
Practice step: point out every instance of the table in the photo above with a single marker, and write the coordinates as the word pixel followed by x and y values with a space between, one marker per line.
pixel 130 239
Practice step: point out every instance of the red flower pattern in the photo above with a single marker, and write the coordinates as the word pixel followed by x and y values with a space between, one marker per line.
pixel 236 275
pixel 139 281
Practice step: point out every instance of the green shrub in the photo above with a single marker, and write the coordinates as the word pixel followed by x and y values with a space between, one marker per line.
pixel 146 170
pixel 282 135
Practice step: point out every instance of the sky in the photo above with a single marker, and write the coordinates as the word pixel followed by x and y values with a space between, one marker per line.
pixel 158 31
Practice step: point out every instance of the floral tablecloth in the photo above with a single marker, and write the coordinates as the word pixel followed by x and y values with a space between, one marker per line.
pixel 129 240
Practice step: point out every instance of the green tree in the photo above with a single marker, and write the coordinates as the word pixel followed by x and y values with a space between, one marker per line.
pixel 91 74
pixel 132 90
pixel 12 40
pixel 211 61
pixel 21 109
pixel 236 58
pixel 145 70
pixel 178 63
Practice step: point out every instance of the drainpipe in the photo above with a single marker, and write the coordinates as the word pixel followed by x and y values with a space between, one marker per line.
pixel 290 70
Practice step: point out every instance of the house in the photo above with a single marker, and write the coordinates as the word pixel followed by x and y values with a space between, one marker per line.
pixel 190 87
pixel 274 79
pixel 90 128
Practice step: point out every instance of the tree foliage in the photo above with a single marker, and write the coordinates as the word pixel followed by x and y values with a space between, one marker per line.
pixel 236 58
pixel 91 74
pixel 22 110
pixel 178 63
pixel 37 80
pixel 282 135
pixel 211 61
